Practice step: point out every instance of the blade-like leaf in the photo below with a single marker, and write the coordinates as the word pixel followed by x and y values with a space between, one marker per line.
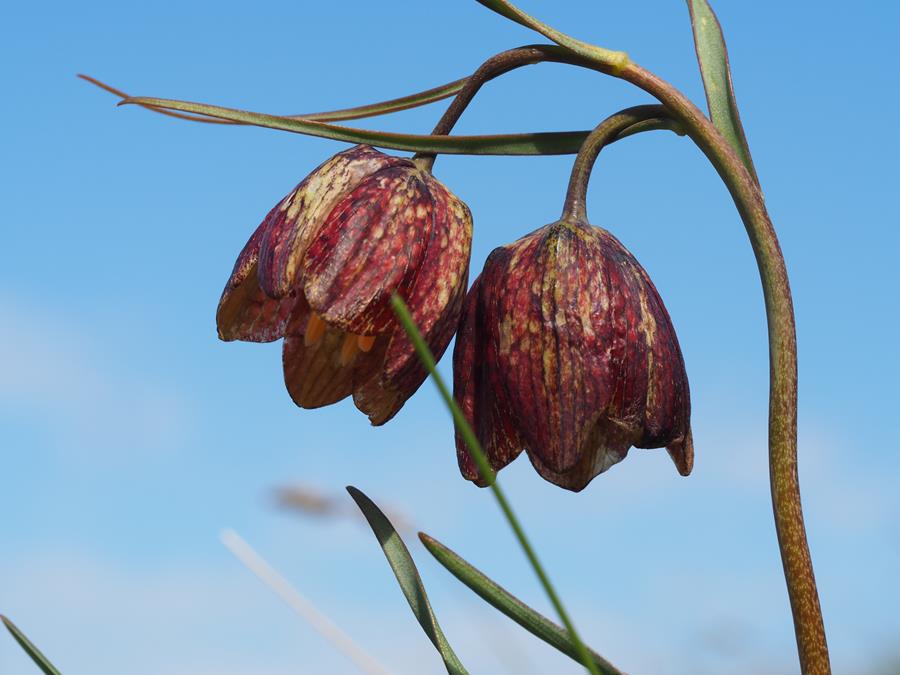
pixel 614 60
pixel 712 55
pixel 408 576
pixel 544 143
pixel 39 659
pixel 532 621
pixel 370 110
pixel 487 473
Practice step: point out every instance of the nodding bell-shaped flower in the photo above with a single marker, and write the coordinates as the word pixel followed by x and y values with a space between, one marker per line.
pixel 321 268
pixel 565 350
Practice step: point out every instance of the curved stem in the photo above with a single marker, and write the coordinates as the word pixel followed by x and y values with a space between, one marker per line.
pixel 495 66
pixel 798 570
pixel 605 133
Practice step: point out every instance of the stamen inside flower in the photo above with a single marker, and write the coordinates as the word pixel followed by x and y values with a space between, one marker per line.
pixel 315 329
pixel 349 349
pixel 365 342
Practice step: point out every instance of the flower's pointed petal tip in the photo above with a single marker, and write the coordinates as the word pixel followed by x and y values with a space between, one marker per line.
pixel 378 418
pixel 313 375
pixel 376 399
pixel 474 476
pixel 682 453
pixel 580 475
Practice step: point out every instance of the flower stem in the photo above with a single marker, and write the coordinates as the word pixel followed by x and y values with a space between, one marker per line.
pixel 606 132
pixel 809 626
pixel 489 477
pixel 497 65
pixel 798 570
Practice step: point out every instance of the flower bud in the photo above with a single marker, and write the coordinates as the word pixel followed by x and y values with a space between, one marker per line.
pixel 321 268
pixel 565 350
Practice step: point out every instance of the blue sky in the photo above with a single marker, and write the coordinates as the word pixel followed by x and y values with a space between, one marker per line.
pixel 131 436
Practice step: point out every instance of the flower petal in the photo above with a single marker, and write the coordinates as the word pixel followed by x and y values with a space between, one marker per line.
pixel 371 241
pixel 245 312
pixel 314 375
pixel 295 221
pixel 474 379
pixel 654 393
pixel 435 294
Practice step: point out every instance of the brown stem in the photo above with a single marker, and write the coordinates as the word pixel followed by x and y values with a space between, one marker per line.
pixel 575 207
pixel 798 570
pixel 495 66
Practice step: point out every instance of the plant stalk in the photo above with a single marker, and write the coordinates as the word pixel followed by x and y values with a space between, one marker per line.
pixel 784 481
pixel 575 207
pixel 497 65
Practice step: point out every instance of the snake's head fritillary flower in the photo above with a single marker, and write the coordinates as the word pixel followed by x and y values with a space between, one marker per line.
pixel 566 351
pixel 321 268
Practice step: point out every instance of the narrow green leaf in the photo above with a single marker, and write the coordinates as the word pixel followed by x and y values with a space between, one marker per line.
pixel 39 659
pixel 487 473
pixel 531 620
pixel 712 55
pixel 408 576
pixel 370 110
pixel 614 60
pixel 544 143
pixel 391 106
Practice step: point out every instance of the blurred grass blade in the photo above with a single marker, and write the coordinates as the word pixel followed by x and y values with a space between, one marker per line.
pixel 319 621
pixel 370 110
pixel 408 576
pixel 543 143
pixel 712 55
pixel 32 651
pixel 495 595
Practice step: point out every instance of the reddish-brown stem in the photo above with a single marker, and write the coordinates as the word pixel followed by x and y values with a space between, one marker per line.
pixel 494 67
pixel 798 570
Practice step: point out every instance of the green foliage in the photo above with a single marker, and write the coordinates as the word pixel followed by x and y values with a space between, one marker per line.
pixel 408 577
pixel 39 659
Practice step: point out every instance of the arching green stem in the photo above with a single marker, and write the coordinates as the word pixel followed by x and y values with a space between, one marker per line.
pixel 495 66
pixel 745 190
pixel 785 486
pixel 606 132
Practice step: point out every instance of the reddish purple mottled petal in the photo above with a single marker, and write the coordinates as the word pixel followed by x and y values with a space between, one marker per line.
pixel 295 221
pixel 379 400
pixel 372 240
pixel 473 389
pixel 579 354
pixel 245 312
pixel 434 295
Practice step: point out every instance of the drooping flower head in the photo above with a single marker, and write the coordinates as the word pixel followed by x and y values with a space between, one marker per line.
pixel 321 268
pixel 565 350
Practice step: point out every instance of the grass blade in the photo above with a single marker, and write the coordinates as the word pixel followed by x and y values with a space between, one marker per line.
pixel 408 576
pixel 487 473
pixel 614 60
pixel 370 110
pixel 319 621
pixel 39 659
pixel 712 55
pixel 494 594
pixel 543 143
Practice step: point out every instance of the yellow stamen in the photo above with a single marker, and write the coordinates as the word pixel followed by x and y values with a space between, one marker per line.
pixel 348 350
pixel 365 342
pixel 315 329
